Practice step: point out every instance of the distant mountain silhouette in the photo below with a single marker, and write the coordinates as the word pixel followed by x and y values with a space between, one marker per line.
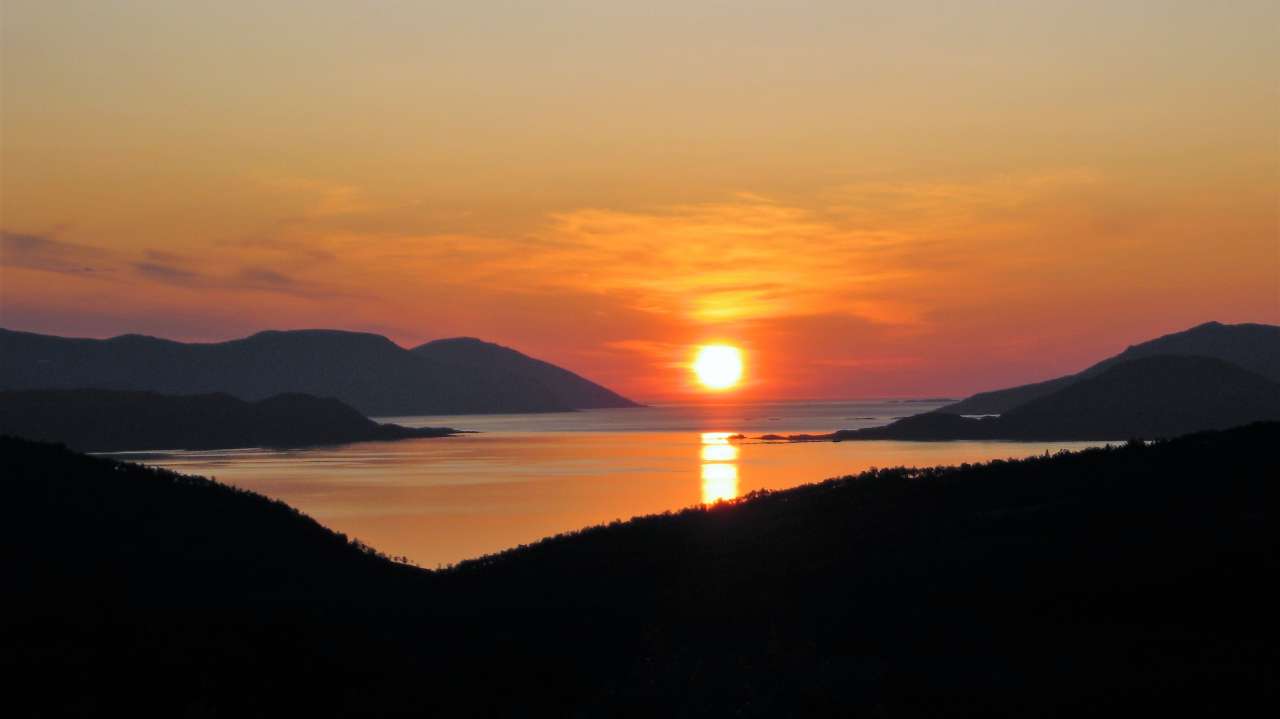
pixel 568 388
pixel 96 420
pixel 1155 396
pixel 1133 580
pixel 366 371
pixel 1254 347
pixel 1151 397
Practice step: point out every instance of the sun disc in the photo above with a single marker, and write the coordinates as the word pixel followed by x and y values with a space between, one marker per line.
pixel 718 366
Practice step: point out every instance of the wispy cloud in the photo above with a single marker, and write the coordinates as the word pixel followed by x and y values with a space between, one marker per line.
pixel 214 270
pixel 42 252
pixel 168 273
pixel 892 253
pixel 262 276
pixel 749 259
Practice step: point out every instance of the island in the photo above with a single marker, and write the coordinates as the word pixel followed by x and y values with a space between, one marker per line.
pixel 95 420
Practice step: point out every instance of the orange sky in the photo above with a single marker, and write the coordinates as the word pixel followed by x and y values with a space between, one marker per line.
pixel 872 199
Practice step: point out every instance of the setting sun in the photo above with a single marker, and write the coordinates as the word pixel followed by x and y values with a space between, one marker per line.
pixel 718 366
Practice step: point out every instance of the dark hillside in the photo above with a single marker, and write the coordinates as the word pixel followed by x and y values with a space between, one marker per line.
pixel 1160 396
pixel 1132 580
pixel 1149 398
pixel 569 389
pixel 1252 347
pixel 106 529
pixel 1114 580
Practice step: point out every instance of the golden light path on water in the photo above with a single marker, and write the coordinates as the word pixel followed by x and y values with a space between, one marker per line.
pixel 719 467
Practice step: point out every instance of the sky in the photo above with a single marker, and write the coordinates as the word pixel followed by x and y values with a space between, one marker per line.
pixel 872 199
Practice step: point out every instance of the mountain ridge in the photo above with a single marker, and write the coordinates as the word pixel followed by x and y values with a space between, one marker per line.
pixel 365 370
pixel 1252 346
pixel 1148 397
pixel 568 387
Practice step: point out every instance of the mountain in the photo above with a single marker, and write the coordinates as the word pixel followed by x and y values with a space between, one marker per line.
pixel 1155 396
pixel 366 371
pixel 1130 580
pixel 94 420
pixel 569 389
pixel 1254 347
pixel 1150 397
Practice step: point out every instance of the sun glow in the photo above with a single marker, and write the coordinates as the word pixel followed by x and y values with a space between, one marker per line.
pixel 718 366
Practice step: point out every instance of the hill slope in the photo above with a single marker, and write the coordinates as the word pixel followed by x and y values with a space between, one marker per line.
pixel 1160 396
pixel 568 388
pixel 1254 347
pixel 366 371
pixel 94 420
pixel 1149 397
pixel 116 531
pixel 1132 579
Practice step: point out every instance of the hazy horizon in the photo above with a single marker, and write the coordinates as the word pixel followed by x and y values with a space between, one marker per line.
pixel 690 398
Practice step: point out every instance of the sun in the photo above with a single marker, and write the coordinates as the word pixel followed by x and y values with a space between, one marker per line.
pixel 718 366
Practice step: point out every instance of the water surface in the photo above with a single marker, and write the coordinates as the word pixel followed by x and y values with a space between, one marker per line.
pixel 523 477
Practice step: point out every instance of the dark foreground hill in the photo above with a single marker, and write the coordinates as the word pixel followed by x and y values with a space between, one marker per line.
pixel 92 529
pixel 1148 398
pixel 367 371
pixel 94 420
pixel 1136 580
pixel 1254 347
pixel 569 389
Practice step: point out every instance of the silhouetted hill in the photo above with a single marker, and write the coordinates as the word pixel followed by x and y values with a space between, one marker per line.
pixel 107 420
pixel 1121 581
pixel 1254 347
pixel 1155 396
pixel 115 530
pixel 930 426
pixel 1148 397
pixel 368 372
pixel 569 389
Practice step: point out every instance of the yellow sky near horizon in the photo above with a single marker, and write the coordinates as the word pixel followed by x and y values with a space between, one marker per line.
pixel 871 198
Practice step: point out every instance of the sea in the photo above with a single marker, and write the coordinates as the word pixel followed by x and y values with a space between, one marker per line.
pixel 513 479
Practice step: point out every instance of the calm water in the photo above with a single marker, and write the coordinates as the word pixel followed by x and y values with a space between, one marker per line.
pixel 523 477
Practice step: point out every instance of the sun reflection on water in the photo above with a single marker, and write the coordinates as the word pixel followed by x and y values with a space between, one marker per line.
pixel 719 468
pixel 719 453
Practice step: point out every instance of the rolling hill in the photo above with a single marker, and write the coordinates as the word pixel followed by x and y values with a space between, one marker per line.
pixel 366 371
pixel 115 529
pixel 1150 397
pixel 569 389
pixel 1254 347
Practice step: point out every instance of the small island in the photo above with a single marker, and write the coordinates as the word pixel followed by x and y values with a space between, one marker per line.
pixel 98 420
